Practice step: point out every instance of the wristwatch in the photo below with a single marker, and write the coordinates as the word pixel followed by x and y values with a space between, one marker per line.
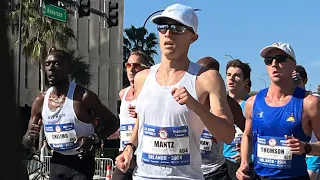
pixel 307 148
pixel 134 148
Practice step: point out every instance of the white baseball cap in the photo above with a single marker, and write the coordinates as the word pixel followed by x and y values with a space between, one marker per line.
pixel 181 13
pixel 285 47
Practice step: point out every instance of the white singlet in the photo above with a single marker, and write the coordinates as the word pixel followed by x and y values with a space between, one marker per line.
pixel 126 122
pixel 61 126
pixel 169 133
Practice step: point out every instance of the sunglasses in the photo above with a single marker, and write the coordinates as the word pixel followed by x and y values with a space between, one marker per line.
pixel 135 65
pixel 176 29
pixel 279 59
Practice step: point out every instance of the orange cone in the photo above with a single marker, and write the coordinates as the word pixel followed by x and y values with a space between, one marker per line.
pixel 108 175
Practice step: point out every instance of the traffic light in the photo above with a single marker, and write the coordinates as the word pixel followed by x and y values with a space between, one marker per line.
pixel 113 14
pixel 83 8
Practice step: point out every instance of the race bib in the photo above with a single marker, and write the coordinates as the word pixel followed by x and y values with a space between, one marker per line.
pixel 273 152
pixel 238 136
pixel 205 143
pixel 166 145
pixel 61 137
pixel 125 133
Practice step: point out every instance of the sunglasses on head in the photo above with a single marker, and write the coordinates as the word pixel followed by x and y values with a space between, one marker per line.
pixel 279 59
pixel 135 65
pixel 176 29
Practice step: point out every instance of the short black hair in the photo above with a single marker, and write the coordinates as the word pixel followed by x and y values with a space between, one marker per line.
pixel 59 53
pixel 302 72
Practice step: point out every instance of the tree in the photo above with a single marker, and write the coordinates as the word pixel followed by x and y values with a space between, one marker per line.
pixel 138 39
pixel 80 69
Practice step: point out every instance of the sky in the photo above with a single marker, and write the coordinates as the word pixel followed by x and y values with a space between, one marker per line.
pixel 242 28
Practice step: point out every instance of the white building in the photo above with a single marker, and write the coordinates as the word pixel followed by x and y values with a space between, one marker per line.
pixel 102 48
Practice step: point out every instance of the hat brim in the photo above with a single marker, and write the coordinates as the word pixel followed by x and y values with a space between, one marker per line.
pixel 265 50
pixel 158 19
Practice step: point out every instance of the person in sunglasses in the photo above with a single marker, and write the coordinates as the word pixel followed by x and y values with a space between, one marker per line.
pixel 280 120
pixel 170 110
pixel 137 62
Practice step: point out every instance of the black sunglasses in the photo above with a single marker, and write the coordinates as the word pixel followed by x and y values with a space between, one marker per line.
pixel 279 59
pixel 176 29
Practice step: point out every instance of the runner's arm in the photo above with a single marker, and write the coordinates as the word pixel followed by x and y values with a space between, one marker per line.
pixel 220 122
pixel 116 134
pixel 238 117
pixel 108 122
pixel 247 134
pixel 36 110
pixel 312 106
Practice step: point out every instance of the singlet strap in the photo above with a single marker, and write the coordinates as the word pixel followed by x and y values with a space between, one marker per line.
pixel 125 94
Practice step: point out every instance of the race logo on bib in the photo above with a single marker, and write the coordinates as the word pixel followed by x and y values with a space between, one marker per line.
pixel 61 137
pixel 273 152
pixel 165 145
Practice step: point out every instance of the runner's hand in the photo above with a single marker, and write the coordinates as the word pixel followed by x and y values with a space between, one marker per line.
pixel 123 160
pixel 182 96
pixel 85 145
pixel 132 111
pixel 34 129
pixel 296 146
pixel 241 172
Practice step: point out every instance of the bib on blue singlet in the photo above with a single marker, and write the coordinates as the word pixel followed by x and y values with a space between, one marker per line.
pixel 125 133
pixel 61 137
pixel 272 152
pixel 166 145
pixel 205 143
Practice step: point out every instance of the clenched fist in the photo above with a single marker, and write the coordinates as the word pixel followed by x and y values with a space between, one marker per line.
pixel 182 96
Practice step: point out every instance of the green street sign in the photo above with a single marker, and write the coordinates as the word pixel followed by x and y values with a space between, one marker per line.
pixel 54 12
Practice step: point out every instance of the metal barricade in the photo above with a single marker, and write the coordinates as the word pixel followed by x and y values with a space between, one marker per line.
pixel 101 166
pixel 46 164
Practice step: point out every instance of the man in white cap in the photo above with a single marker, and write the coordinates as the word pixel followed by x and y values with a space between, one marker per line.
pixel 280 120
pixel 170 98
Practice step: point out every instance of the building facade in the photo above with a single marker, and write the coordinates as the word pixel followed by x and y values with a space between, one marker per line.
pixel 102 48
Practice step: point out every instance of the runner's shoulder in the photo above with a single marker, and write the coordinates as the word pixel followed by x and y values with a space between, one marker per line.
pixel 141 76
pixel 251 100
pixel 311 101
pixel 39 99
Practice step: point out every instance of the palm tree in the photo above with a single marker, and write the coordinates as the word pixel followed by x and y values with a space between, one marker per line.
pixel 138 39
pixel 80 69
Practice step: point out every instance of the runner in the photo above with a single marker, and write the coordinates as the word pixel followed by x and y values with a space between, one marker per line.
pixel 213 162
pixel 238 76
pixel 137 62
pixel 280 120
pixel 313 162
pixel 65 111
pixel 171 114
